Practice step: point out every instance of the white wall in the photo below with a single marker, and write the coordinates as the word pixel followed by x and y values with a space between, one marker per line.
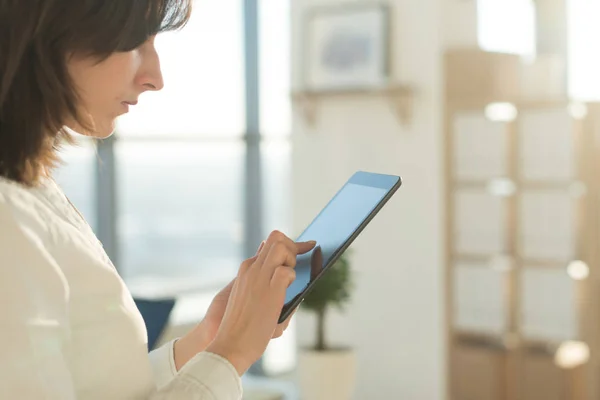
pixel 396 319
pixel 459 23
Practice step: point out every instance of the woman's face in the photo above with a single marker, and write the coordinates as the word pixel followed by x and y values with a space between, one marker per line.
pixel 107 89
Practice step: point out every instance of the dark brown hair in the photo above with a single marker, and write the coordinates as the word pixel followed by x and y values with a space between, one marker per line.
pixel 37 95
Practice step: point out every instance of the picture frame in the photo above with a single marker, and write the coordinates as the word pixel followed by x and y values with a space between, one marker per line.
pixel 347 47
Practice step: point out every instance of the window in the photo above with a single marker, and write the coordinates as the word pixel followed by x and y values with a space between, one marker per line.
pixel 180 210
pixel 275 68
pixel 276 113
pixel 584 52
pixel 507 26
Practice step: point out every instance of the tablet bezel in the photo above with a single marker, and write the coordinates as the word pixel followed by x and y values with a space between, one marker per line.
pixel 391 183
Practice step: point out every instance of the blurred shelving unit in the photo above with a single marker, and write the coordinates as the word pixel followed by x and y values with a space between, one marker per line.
pixel 522 228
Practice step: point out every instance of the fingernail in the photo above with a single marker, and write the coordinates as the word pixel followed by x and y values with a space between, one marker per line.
pixel 312 242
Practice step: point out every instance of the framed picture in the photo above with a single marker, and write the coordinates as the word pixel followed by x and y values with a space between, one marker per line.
pixel 347 47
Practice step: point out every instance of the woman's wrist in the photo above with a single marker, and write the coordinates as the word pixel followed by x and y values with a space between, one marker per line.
pixel 196 341
pixel 235 358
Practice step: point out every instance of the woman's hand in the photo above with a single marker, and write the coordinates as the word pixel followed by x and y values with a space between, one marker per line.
pixel 214 316
pixel 205 332
pixel 256 300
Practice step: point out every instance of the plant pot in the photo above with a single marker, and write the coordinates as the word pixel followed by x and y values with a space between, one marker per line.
pixel 327 375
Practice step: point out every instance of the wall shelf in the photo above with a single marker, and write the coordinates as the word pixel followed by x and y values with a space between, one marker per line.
pixel 399 97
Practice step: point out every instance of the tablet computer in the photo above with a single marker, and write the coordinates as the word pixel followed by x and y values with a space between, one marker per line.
pixel 335 228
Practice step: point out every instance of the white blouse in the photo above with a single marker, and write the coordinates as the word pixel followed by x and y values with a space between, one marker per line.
pixel 69 328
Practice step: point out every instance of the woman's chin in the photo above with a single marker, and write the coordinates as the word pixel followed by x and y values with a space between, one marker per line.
pixel 103 134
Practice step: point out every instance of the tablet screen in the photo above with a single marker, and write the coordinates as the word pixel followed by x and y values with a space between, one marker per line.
pixel 331 229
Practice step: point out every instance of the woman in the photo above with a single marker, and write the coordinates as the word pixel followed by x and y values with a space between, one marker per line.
pixel 69 328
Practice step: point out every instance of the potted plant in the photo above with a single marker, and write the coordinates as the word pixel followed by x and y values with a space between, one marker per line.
pixel 326 372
